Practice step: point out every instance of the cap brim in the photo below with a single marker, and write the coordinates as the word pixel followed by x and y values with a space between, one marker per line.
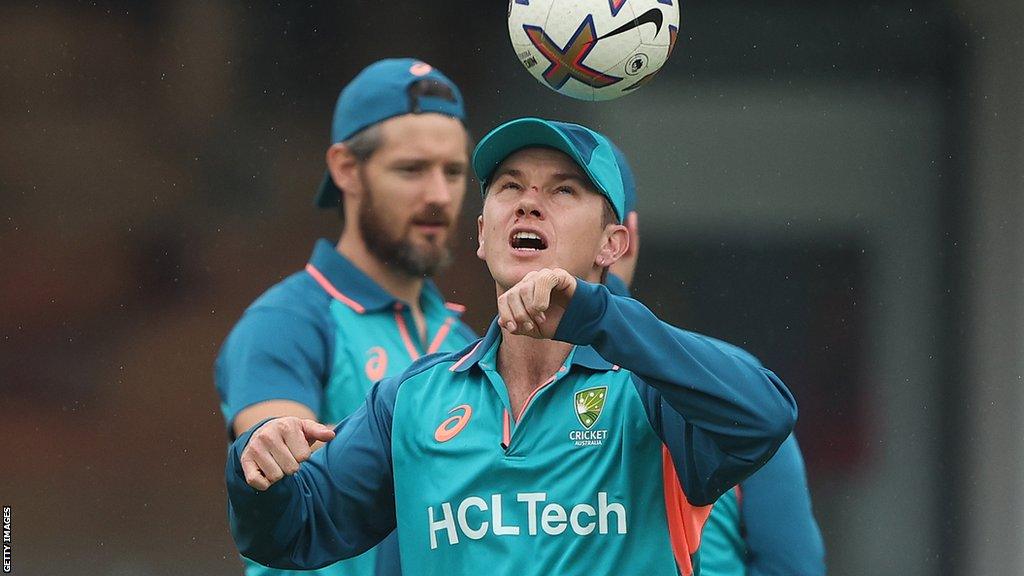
pixel 508 138
pixel 531 132
pixel 328 195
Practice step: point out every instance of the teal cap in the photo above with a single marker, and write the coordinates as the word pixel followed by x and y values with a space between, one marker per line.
pixel 591 150
pixel 380 92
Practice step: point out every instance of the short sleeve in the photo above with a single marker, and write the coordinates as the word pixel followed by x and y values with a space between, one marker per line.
pixel 273 354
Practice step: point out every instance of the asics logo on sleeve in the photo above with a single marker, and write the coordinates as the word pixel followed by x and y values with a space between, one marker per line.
pixel 475 518
pixel 453 425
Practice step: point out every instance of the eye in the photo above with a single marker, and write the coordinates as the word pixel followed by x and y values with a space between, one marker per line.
pixel 510 185
pixel 565 190
pixel 455 172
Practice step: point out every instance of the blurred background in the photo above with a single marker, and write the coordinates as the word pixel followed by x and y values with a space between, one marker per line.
pixel 836 186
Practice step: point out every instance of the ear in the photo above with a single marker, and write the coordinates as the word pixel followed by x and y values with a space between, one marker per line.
pixel 614 244
pixel 344 169
pixel 480 236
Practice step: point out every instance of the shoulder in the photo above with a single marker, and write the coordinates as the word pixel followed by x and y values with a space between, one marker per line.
pixel 428 369
pixel 293 309
pixel 433 367
pixel 298 294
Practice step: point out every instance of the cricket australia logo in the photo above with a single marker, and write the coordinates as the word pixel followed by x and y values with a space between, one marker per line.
pixel 588 405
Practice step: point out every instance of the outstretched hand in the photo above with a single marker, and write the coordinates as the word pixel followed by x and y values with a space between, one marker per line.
pixel 277 448
pixel 535 305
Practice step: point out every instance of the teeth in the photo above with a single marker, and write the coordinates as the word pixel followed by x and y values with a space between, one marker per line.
pixel 526 236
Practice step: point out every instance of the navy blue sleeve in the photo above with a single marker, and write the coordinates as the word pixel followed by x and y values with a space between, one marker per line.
pixel 720 415
pixel 781 534
pixel 339 504
pixel 273 354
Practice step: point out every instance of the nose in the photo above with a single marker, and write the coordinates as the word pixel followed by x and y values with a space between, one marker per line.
pixel 438 189
pixel 528 204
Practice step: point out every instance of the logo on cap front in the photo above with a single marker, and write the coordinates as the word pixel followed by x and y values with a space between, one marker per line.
pixel 420 69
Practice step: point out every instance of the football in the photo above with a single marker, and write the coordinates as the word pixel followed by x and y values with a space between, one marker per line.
pixel 593 49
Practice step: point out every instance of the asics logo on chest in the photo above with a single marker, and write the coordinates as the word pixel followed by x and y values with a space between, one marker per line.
pixel 376 364
pixel 453 425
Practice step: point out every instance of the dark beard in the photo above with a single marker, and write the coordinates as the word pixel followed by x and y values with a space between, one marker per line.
pixel 399 252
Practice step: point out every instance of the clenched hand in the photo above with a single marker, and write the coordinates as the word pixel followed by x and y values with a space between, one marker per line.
pixel 277 448
pixel 535 305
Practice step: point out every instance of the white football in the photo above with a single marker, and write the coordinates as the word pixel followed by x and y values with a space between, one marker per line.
pixel 593 49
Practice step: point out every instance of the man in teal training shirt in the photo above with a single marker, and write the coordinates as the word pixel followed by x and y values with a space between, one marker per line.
pixel 362 310
pixel 581 435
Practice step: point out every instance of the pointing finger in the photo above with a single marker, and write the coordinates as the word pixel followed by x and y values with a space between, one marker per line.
pixel 314 431
pixel 542 290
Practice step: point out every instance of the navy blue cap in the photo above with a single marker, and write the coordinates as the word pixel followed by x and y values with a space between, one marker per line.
pixel 591 150
pixel 380 92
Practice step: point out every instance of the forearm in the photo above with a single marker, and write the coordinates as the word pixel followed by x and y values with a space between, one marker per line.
pixel 337 505
pixel 263 523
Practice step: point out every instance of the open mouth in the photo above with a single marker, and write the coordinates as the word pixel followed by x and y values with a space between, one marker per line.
pixel 528 241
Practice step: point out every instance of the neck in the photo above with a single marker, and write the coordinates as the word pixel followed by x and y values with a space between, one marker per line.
pixel 400 285
pixel 526 364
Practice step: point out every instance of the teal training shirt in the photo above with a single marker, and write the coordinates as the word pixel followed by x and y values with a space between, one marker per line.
pixel 323 337
pixel 610 468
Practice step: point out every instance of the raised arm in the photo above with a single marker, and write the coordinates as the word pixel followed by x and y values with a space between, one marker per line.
pixel 289 509
pixel 721 415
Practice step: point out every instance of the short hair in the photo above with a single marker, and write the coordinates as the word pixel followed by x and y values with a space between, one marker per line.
pixel 608 213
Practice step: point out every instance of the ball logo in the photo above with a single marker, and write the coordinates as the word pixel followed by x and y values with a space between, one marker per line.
pixel 588 50
pixel 636 64
pixel 454 424
pixel 420 69
pixel 377 365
